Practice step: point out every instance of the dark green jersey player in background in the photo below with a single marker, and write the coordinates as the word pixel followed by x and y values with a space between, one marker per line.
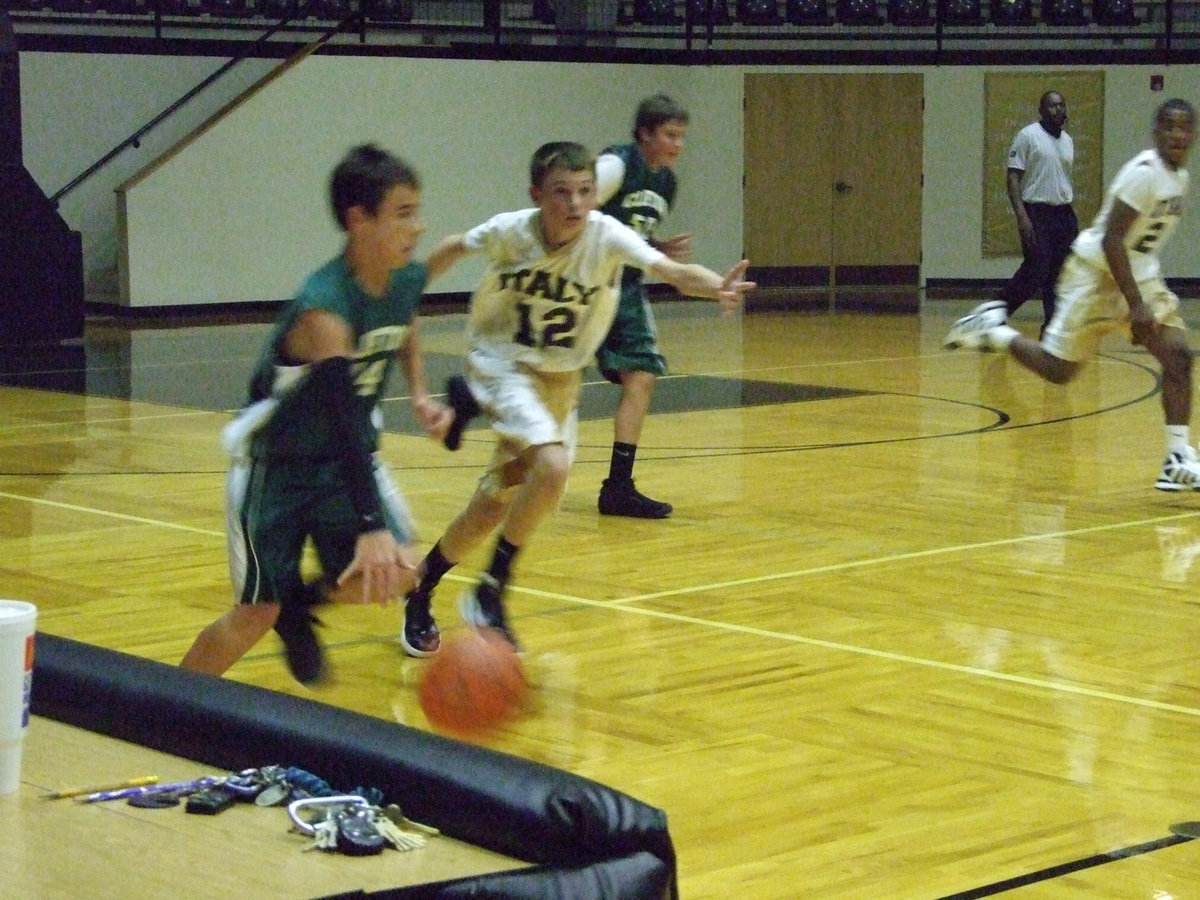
pixel 303 464
pixel 636 185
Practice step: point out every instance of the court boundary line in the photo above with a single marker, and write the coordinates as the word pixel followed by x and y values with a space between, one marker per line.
pixel 1059 870
pixel 914 554
pixel 109 514
pixel 888 655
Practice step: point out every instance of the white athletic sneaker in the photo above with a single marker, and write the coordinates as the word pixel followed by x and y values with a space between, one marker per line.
pixel 974 330
pixel 1180 472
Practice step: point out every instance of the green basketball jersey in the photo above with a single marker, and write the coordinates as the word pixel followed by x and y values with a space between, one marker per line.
pixel 643 199
pixel 300 426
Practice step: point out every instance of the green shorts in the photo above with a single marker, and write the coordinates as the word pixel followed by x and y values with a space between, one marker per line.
pixel 632 341
pixel 275 506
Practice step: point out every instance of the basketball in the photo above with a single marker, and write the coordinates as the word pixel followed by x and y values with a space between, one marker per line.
pixel 475 681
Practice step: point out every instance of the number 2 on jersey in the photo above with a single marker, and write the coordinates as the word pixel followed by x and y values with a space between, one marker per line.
pixel 1147 241
pixel 555 328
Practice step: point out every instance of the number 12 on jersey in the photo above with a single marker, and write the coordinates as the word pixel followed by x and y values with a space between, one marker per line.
pixel 553 328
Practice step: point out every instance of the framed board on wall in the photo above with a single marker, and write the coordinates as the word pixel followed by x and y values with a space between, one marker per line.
pixel 1011 102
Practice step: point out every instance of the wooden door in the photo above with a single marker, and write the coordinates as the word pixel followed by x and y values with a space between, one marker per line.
pixel 833 178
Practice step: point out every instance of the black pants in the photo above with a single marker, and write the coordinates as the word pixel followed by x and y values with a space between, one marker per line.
pixel 1054 228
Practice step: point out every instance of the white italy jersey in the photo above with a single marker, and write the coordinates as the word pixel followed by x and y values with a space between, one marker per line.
pixel 1156 192
pixel 549 310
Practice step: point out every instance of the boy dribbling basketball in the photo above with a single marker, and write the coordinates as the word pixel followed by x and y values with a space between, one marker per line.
pixel 303 465
pixel 535 322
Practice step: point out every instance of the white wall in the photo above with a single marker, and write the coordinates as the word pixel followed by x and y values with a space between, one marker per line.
pixel 240 215
pixel 76 108
pixel 253 187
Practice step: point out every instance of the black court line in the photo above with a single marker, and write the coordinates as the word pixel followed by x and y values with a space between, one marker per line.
pixel 192 381
pixel 698 393
pixel 1182 833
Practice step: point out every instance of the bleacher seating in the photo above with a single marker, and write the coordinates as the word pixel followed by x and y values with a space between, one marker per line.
pixel 1012 12
pixel 655 12
pixel 909 12
pixel 807 12
pixel 1063 12
pixel 858 12
pixel 1132 26
pixel 1114 12
pixel 708 12
pixel 758 12
pixel 961 12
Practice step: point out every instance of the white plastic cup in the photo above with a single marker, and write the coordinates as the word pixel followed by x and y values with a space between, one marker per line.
pixel 18 622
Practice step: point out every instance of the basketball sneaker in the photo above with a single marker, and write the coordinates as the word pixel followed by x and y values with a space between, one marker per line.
pixel 1180 471
pixel 976 330
pixel 301 649
pixel 481 607
pixel 621 498
pixel 465 407
pixel 419 636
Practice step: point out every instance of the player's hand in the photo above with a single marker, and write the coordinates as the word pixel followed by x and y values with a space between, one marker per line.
pixel 678 248
pixel 434 417
pixel 1142 325
pixel 733 287
pixel 380 571
pixel 1028 235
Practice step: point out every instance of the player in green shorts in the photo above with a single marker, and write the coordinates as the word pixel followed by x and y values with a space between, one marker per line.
pixel 303 451
pixel 636 185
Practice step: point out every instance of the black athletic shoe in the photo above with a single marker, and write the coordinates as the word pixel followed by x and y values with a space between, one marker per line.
pixel 481 607
pixel 621 498
pixel 302 650
pixel 419 636
pixel 459 396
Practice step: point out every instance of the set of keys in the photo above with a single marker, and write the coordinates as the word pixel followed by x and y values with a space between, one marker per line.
pixel 267 786
pixel 350 824
pixel 354 823
pixel 277 785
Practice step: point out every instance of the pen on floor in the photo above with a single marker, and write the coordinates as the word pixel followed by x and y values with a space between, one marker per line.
pixel 114 786
pixel 121 793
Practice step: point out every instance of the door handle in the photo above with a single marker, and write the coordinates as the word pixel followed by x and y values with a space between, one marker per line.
pixel 842 187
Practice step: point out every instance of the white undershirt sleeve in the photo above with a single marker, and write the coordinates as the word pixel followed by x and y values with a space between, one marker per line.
pixel 610 172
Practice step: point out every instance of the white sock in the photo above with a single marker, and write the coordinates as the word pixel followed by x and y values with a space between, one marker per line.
pixel 1002 335
pixel 1178 437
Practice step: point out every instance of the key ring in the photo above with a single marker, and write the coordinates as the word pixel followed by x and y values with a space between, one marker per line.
pixel 306 827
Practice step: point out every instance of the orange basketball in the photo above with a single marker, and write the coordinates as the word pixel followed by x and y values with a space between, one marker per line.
pixel 475 681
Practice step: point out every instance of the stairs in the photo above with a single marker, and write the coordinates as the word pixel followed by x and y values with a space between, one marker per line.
pixel 41 265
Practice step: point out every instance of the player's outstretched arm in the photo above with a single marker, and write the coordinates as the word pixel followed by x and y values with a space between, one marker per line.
pixel 695 280
pixel 449 251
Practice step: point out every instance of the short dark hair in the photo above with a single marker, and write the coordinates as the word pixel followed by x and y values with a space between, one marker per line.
pixel 559 155
pixel 653 111
pixel 1175 104
pixel 364 176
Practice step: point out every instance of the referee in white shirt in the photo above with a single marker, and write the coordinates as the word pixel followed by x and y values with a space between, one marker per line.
pixel 1039 188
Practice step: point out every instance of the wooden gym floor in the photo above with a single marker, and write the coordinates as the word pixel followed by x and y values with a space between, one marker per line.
pixel 920 626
